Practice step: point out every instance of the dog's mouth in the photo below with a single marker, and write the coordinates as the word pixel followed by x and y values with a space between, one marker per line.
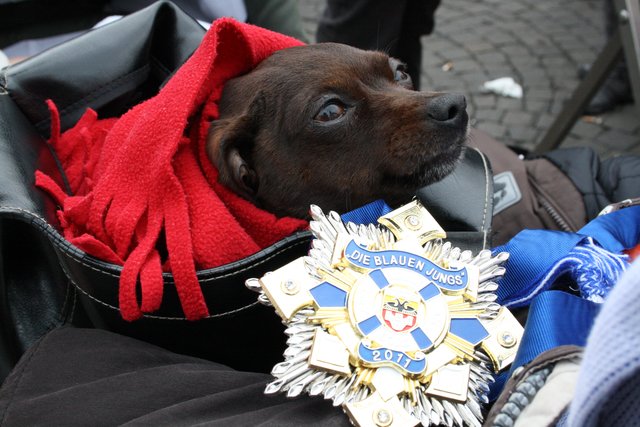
pixel 430 169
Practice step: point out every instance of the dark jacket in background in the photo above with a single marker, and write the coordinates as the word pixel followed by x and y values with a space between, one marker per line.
pixel 560 190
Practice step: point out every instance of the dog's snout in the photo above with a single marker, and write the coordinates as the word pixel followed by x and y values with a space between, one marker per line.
pixel 447 107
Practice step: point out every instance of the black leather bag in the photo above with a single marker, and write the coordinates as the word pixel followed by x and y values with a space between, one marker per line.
pixel 46 282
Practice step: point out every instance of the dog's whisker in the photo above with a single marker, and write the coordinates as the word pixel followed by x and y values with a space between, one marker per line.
pixel 347 202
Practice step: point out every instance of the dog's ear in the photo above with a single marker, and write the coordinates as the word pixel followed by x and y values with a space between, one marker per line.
pixel 229 147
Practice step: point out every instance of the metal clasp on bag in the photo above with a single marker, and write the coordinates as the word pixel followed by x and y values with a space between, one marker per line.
pixel 620 205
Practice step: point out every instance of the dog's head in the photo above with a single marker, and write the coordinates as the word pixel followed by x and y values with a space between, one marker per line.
pixel 335 126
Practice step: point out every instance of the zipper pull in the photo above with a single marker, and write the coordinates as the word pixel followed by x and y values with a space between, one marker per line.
pixel 620 205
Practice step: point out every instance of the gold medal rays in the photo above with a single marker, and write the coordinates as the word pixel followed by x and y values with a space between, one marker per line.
pixel 391 323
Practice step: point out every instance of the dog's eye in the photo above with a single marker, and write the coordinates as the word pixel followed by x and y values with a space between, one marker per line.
pixel 332 111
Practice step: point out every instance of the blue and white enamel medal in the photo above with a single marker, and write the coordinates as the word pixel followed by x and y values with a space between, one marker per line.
pixel 391 323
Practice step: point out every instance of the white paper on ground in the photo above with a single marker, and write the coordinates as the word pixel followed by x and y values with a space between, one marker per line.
pixel 504 86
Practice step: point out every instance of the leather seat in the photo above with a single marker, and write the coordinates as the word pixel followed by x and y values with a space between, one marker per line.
pixel 46 282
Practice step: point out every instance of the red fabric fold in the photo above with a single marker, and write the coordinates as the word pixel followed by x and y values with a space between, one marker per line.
pixel 145 175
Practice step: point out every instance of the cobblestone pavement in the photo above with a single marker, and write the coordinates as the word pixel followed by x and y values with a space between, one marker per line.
pixel 540 44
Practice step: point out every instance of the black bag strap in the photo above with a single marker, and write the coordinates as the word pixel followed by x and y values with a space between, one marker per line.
pixel 463 202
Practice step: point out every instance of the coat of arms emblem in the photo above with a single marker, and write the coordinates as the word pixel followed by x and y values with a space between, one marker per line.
pixel 400 310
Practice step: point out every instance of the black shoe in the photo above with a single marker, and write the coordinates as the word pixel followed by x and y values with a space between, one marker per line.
pixel 583 70
pixel 606 100
pixel 615 91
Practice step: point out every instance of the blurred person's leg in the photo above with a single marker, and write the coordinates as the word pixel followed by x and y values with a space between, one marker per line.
pixel 418 20
pixel 616 89
pixel 281 16
pixel 393 27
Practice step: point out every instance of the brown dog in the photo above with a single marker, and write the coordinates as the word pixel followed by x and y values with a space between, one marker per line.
pixel 333 125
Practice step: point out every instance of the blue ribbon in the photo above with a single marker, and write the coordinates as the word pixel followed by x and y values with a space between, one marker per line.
pixel 616 231
pixel 538 258
pixel 532 254
pixel 555 318
pixel 536 255
pixel 367 214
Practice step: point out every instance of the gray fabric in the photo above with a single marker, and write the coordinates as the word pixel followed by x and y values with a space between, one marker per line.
pixel 554 396
pixel 620 177
pixel 609 378
pixel 599 182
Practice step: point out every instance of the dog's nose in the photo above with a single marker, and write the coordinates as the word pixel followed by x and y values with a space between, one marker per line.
pixel 447 107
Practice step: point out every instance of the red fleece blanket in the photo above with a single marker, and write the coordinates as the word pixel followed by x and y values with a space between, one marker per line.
pixel 146 175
